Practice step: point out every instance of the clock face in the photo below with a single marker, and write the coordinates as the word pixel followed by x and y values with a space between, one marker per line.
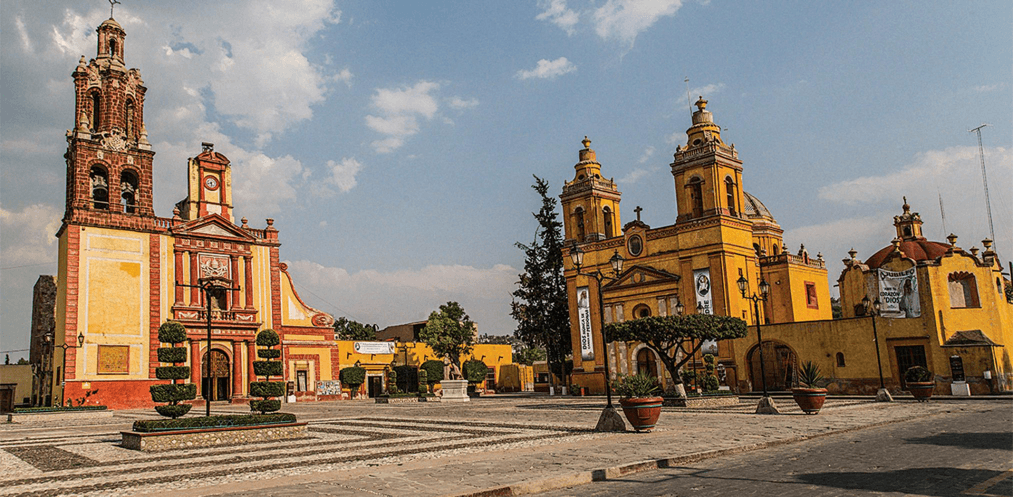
pixel 211 182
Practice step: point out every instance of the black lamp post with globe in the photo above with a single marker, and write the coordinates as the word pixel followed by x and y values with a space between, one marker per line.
pixel 766 405
pixel 872 310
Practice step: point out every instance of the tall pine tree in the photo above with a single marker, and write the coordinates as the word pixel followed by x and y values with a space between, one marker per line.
pixel 540 303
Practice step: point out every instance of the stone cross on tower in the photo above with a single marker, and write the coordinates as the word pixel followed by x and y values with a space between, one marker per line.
pixel 112 3
pixel 638 210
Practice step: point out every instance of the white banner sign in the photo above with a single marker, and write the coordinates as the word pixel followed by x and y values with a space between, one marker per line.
pixel 898 294
pixel 702 287
pixel 374 347
pixel 584 318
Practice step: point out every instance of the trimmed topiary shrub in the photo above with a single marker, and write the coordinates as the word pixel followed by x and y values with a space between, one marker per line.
pixel 423 382
pixel 392 382
pixel 475 371
pixel 173 333
pixel 353 378
pixel 710 382
pixel 267 368
pixel 222 421
pixel 434 371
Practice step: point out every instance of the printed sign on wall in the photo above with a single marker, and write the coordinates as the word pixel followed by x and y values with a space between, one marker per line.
pixel 374 347
pixel 702 287
pixel 584 318
pixel 898 294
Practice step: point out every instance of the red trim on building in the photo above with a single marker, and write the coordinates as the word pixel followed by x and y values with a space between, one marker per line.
pixel 70 322
pixel 154 301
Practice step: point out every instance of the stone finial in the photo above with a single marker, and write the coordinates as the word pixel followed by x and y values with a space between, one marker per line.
pixel 896 244
pixel 801 249
pixel 701 104
pixel 244 221
pixel 83 123
pixel 952 239
pixel 974 251
pixel 270 222
pixel 81 64
pixel 853 253
pixel 175 212
pixel 988 244
pixel 143 140
pixel 906 207
pixel 586 142
pixel 819 256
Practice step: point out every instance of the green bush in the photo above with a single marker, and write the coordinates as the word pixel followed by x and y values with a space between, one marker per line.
pixel 267 388
pixel 172 332
pixel 173 410
pixel 172 354
pixel 917 374
pixel 173 392
pixel 352 377
pixel 809 375
pixel 423 381
pixel 637 386
pixel 268 338
pixel 265 405
pixel 711 383
pixel 172 372
pixel 407 378
pixel 268 353
pixel 434 371
pixel 267 368
pixel 222 421
pixel 474 371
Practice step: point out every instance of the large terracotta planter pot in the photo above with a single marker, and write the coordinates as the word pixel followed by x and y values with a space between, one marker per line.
pixel 921 390
pixel 642 413
pixel 810 400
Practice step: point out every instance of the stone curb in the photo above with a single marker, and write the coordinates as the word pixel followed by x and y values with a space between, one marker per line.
pixel 584 477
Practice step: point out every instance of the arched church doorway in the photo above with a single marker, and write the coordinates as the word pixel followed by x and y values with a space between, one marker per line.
pixel 779 362
pixel 216 375
pixel 646 363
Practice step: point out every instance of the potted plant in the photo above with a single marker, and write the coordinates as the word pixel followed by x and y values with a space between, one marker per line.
pixel 638 394
pixel 920 382
pixel 810 397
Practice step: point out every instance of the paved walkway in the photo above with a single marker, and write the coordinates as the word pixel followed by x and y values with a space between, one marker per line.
pixel 517 445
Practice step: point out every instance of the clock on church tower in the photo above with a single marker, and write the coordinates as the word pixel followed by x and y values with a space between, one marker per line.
pixel 209 186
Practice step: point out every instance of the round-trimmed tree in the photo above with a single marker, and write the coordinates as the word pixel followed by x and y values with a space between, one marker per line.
pixel 434 371
pixel 391 382
pixel 267 368
pixel 173 333
pixel 423 382
pixel 475 371
pixel 352 377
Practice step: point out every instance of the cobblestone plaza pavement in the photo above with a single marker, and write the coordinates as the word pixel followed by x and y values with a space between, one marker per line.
pixel 513 444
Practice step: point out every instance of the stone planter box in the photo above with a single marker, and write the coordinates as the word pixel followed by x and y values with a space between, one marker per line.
pixel 211 437
pixel 704 401
pixel 405 400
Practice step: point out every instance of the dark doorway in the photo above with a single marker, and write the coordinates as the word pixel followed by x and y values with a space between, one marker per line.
pixel 909 356
pixel 646 363
pixel 375 387
pixel 216 376
pixel 779 366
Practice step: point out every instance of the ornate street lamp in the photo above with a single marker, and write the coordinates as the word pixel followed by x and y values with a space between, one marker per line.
pixel 766 405
pixel 610 420
pixel 207 285
pixel 872 310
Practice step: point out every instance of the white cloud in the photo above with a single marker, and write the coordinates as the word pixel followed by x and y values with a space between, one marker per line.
pixel 547 69
pixel 557 13
pixel 636 175
pixel 343 173
pixel 648 153
pixel 706 91
pixel 459 103
pixel 623 20
pixel 675 137
pixel 400 109
pixel 344 76
pixel 26 42
pixel 29 234
pixel 988 88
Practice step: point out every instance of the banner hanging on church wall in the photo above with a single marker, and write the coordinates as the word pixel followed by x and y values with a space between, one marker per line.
pixel 702 287
pixel 898 294
pixel 584 318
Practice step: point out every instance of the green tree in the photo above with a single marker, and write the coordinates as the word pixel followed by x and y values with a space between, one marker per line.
pixel 450 333
pixel 540 304
pixel 172 333
pixel 528 355
pixel 346 329
pixel 669 335
pixel 267 368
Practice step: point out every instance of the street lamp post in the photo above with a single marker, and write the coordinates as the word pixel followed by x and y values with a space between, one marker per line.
pixel 872 309
pixel 206 285
pixel 766 405
pixel 610 420
pixel 65 345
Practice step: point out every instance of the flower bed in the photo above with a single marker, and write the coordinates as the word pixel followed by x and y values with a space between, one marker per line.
pixel 211 422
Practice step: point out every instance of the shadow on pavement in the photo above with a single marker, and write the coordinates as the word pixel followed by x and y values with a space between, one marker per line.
pixel 920 481
pixel 986 441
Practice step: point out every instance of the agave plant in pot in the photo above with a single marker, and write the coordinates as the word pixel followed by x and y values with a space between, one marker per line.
pixel 810 397
pixel 919 382
pixel 638 394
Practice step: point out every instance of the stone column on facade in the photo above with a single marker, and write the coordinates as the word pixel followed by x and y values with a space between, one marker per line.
pixel 178 263
pixel 194 291
pixel 234 301
pixel 195 363
pixel 248 274
pixel 251 353
pixel 237 369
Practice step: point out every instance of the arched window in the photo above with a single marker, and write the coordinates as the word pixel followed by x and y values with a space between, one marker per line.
pixel 128 192
pixel 840 359
pixel 776 252
pixel 641 311
pixel 646 364
pixel 756 248
pixel 963 290
pixel 96 111
pixel 607 215
pixel 730 195
pixel 129 120
pixel 907 231
pixel 695 187
pixel 112 48
pixel 578 218
pixel 99 188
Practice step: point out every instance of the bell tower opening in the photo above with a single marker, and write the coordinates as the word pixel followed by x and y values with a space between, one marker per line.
pixel 707 172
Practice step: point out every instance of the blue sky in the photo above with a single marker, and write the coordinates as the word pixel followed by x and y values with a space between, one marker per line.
pixel 394 142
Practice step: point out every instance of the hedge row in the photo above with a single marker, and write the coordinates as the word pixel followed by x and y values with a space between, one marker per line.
pixel 224 421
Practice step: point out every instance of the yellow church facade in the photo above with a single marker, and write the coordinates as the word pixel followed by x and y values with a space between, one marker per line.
pixel 721 233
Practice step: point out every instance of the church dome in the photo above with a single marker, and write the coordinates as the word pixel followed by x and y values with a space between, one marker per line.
pixel 111 22
pixel 755 209
pixel 918 249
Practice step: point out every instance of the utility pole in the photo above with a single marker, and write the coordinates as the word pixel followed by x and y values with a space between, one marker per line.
pixel 984 180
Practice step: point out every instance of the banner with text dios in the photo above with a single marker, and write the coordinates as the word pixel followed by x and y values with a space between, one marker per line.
pixel 898 294
pixel 702 287
pixel 584 318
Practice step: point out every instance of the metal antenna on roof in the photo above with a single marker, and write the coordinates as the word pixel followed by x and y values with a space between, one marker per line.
pixel 689 100
pixel 984 180
pixel 942 213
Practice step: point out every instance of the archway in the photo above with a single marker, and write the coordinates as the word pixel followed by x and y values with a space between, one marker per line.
pixel 646 362
pixel 780 363
pixel 216 378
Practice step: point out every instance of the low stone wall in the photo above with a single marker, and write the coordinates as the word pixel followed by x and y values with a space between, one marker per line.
pixel 57 416
pixel 210 437
pixel 704 401
pixel 405 400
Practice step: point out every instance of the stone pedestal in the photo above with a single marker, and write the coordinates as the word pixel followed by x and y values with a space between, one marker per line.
pixel 767 406
pixel 455 391
pixel 960 389
pixel 610 420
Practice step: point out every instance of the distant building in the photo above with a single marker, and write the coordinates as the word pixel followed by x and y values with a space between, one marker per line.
pixel 408 332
